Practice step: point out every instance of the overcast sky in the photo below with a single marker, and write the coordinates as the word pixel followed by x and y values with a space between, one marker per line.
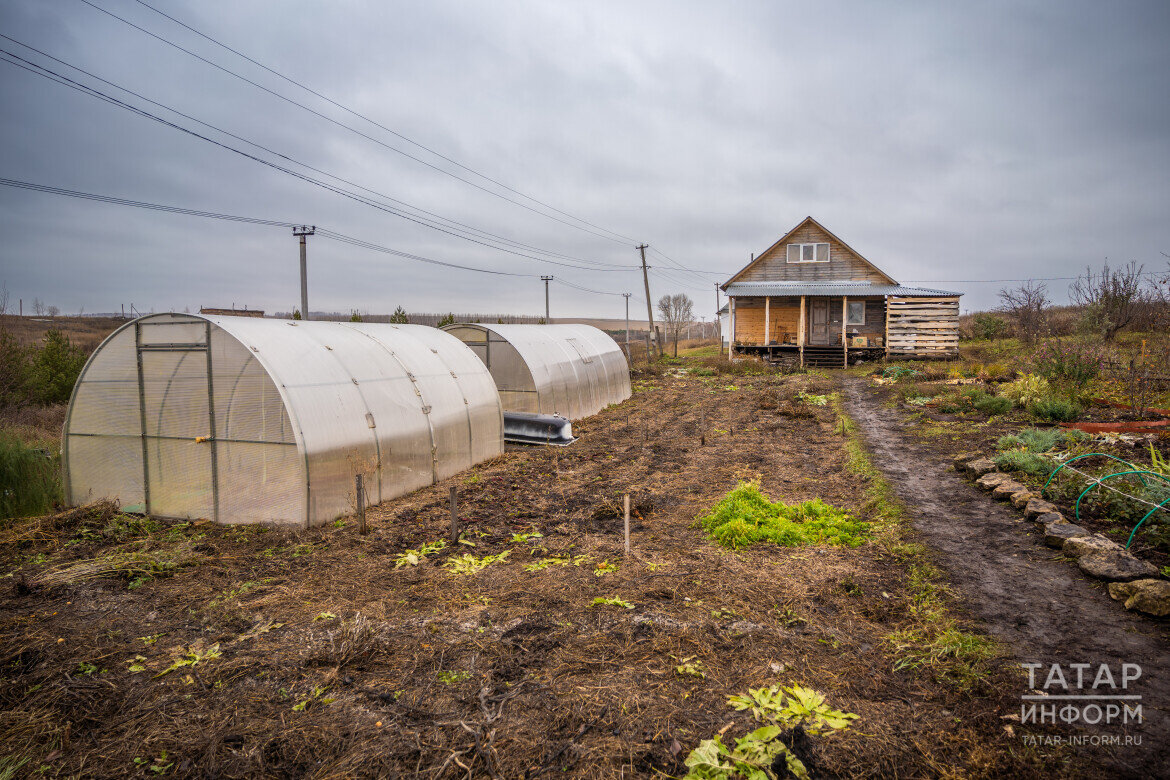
pixel 943 141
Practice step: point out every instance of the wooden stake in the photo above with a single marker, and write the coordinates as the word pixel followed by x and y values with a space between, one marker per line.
pixel 360 490
pixel 627 503
pixel 454 515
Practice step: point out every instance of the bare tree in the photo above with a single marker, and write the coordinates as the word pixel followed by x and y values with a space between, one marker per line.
pixel 38 307
pixel 3 299
pixel 676 311
pixel 1113 298
pixel 1026 306
pixel 52 311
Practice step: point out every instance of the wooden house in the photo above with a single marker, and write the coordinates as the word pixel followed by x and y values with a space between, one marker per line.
pixel 811 298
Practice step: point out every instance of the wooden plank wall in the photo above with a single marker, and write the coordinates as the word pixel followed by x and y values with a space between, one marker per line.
pixel 843 265
pixel 924 327
pixel 749 320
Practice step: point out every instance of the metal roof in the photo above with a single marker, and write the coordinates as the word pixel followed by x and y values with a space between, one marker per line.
pixel 746 289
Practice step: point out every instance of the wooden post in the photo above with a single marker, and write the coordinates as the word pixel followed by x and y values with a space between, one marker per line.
pixel 886 300
pixel 730 327
pixel 454 515
pixel 627 503
pixel 844 329
pixel 360 491
pixel 767 319
pixel 800 332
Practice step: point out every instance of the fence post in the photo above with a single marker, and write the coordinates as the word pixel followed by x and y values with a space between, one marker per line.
pixel 454 515
pixel 627 508
pixel 360 490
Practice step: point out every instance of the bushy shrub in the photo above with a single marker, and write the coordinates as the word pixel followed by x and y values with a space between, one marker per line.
pixel 1026 390
pixel 30 481
pixel 1022 460
pixel 994 404
pixel 55 369
pixel 1068 361
pixel 986 326
pixel 1040 439
pixel 1055 409
pixel 745 516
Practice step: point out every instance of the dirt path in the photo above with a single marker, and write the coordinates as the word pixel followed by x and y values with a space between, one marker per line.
pixel 1040 606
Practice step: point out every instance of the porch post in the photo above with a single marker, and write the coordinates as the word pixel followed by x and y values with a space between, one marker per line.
pixel 886 301
pixel 767 319
pixel 730 326
pixel 800 332
pixel 845 330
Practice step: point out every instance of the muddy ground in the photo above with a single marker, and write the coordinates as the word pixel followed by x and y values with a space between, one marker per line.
pixel 309 653
pixel 1027 595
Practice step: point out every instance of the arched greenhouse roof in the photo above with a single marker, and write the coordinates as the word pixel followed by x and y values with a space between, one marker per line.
pixel 250 420
pixel 571 370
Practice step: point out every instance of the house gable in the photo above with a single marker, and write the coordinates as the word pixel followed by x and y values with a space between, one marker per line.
pixel 844 264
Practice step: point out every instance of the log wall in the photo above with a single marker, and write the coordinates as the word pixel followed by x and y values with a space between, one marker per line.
pixel 844 264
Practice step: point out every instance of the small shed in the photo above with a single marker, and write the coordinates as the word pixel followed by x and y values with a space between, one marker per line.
pixel 571 370
pixel 248 420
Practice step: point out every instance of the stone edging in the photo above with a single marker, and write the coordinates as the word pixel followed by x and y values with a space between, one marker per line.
pixel 1131 580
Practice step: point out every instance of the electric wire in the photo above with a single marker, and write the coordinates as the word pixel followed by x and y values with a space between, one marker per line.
pixel 93 92
pixel 395 133
pixel 349 127
pixel 453 224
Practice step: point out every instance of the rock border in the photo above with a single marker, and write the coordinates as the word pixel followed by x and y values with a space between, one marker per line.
pixel 1130 580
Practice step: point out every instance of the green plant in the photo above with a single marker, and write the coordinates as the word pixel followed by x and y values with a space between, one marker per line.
pixel 1026 390
pixel 603 568
pixel 614 601
pixel 315 696
pixel 520 538
pixel 55 368
pixel 755 754
pixel 690 667
pixel 986 326
pixel 192 658
pixel 399 317
pixel 1055 409
pixel 469 564
pixel 415 557
pixel 1158 464
pixel 1068 361
pixel 30 478
pixel 993 404
pixel 1022 460
pixel 812 400
pixel 745 517
pixel 1040 439
pixel 450 678
pixel 445 321
pixel 544 563
pixel 87 669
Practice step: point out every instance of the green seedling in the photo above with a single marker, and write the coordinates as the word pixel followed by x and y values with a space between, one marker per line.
pixel 191 658
pixel 602 601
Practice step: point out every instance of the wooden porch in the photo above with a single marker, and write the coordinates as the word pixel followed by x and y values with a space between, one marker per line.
pixel 812 330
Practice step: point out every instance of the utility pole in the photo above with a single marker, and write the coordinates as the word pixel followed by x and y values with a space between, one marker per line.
pixel 718 319
pixel 546 279
pixel 303 232
pixel 649 308
pixel 627 297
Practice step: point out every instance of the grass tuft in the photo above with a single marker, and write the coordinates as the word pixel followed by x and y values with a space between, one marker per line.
pixel 745 516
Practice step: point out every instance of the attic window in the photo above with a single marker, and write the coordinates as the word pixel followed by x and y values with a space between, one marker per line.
pixel 808 253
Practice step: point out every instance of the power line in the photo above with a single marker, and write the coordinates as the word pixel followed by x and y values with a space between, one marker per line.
pixel 351 128
pixel 330 234
pixel 375 123
pixel 451 223
pixel 58 78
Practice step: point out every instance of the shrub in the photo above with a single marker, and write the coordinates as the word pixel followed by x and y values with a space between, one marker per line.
pixel 1026 390
pixel 745 516
pixel 1068 361
pixel 1040 440
pixel 993 404
pixel 55 368
pixel 986 326
pixel 1022 460
pixel 1055 410
pixel 30 481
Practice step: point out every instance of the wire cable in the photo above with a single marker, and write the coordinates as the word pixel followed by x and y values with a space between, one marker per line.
pixel 352 129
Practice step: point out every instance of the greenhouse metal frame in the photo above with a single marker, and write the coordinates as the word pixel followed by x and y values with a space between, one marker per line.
pixel 571 370
pixel 249 420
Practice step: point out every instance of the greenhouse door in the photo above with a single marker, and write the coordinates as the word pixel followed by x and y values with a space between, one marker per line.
pixel 178 447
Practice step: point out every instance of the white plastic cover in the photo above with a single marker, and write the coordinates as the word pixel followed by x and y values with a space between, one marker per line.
pixel 247 420
pixel 571 370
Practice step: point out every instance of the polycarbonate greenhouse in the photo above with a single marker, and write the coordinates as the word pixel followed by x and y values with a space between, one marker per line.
pixel 251 420
pixel 571 370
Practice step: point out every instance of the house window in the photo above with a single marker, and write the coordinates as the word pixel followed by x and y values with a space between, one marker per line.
pixel 808 253
pixel 855 313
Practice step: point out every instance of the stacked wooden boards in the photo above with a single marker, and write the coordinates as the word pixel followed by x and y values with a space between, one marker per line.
pixel 922 327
